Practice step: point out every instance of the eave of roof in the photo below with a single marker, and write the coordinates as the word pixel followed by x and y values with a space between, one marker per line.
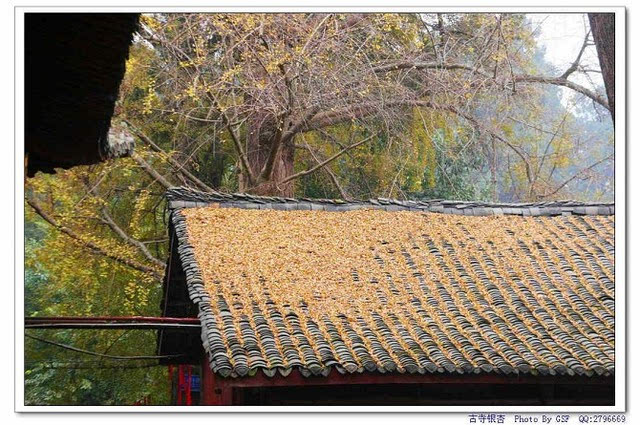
pixel 215 329
pixel 74 63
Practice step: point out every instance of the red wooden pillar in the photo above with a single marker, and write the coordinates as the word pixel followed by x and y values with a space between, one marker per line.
pixel 188 386
pixel 180 384
pixel 170 367
pixel 215 391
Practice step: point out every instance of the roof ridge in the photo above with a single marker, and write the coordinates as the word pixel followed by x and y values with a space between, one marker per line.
pixel 185 197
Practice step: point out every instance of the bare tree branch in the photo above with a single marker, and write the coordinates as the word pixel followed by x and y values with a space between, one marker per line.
pixel 128 239
pixel 178 167
pixel 327 161
pixel 481 127
pixel 575 176
pixel 155 272
pixel 290 74
pixel 152 171
pixel 517 78
pixel 557 81
pixel 334 179
pixel 576 62
pixel 109 221
pixel 546 149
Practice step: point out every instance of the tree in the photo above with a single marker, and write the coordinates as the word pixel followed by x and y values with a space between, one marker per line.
pixel 267 79
pixel 63 277
pixel 603 26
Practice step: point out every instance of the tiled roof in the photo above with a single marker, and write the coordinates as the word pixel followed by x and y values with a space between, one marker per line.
pixel 391 286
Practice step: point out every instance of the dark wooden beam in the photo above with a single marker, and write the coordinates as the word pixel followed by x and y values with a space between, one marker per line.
pixel 336 378
pixel 112 322
pixel 220 391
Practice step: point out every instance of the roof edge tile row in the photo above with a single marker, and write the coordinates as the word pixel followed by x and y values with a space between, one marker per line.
pixel 183 197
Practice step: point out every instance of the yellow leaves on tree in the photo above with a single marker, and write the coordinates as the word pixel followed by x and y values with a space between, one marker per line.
pixel 82 267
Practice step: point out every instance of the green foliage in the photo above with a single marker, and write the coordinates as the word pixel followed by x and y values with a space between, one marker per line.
pixel 54 376
pixel 64 278
pixel 457 171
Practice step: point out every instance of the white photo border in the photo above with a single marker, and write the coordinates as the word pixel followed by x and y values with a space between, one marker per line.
pixel 620 185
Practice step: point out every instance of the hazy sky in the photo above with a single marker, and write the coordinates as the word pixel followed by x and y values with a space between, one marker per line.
pixel 562 36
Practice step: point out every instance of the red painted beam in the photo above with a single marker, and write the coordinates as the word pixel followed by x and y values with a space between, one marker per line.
pixel 112 322
pixel 188 385
pixel 218 391
pixel 180 385
pixel 112 319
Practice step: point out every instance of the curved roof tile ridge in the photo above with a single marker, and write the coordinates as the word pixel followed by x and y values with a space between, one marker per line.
pixel 184 197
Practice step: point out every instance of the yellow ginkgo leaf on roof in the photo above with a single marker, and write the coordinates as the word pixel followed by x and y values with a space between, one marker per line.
pixel 387 276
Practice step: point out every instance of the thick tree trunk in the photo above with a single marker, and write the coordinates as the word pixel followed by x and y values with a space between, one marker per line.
pixel 262 136
pixel 603 27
